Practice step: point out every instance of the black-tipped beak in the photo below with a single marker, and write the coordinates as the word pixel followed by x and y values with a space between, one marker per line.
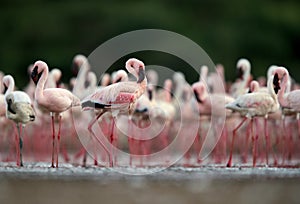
pixel 75 68
pixel 35 76
pixel 276 83
pixel 197 97
pixel 118 80
pixel 141 75
pixel 240 73
pixel 5 89
pixel 150 95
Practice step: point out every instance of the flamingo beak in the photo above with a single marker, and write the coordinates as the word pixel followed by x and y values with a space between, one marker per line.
pixel 276 83
pixel 5 88
pixel 240 73
pixel 35 76
pixel 141 75
pixel 75 68
pixel 197 97
pixel 150 95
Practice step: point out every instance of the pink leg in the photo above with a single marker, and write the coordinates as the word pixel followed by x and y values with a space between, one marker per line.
pixel 267 140
pixel 94 136
pixel 283 143
pixel 229 163
pixel 298 121
pixel 20 145
pixel 58 139
pixel 197 147
pixel 17 145
pixel 65 153
pixel 53 139
pixel 254 141
pixel 245 156
pixel 130 142
pixel 113 139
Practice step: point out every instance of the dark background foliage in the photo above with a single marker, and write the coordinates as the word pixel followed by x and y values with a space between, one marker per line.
pixel 265 32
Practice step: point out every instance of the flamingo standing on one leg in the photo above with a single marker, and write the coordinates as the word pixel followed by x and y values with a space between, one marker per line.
pixel 118 97
pixel 19 109
pixel 255 104
pixel 53 100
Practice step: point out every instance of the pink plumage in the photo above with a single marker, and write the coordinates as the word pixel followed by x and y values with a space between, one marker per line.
pixel 53 100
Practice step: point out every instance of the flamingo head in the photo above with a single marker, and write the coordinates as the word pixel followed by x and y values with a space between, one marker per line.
pixel 37 71
pixel 243 67
pixel 105 80
pixel 168 85
pixel 199 89
pixel 56 74
pixel 254 86
pixel 119 76
pixel 276 83
pixel 78 61
pixel 137 68
pixel 152 76
pixel 281 72
pixel 7 79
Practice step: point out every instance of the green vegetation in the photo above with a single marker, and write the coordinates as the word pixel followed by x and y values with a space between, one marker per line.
pixel 266 32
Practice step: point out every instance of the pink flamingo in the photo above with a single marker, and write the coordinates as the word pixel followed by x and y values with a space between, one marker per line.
pixel 255 104
pixel 82 67
pixel 289 100
pixel 53 100
pixel 118 97
pixel 244 77
pixel 211 104
pixel 19 109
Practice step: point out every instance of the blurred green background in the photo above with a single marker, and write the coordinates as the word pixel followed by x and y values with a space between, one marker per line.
pixel 266 32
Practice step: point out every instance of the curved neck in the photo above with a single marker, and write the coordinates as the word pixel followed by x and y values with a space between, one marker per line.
pixel 11 85
pixel 271 88
pixel 282 90
pixel 41 83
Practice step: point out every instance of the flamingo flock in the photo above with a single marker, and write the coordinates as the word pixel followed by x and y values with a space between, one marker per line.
pixel 129 113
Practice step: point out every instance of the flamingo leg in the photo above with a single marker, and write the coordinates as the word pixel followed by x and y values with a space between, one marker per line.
pixel 248 133
pixel 254 141
pixel 267 139
pixel 229 163
pixel 20 142
pixel 84 159
pixel 53 139
pixel 94 136
pixel 298 121
pixel 130 142
pixel 284 139
pixel 58 139
pixel 113 140
pixel 17 133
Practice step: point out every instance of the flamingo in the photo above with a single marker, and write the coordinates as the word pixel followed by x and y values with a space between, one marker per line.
pixel 289 100
pixel 81 66
pixel 18 109
pixel 210 104
pixel 53 100
pixel 244 77
pixel 255 104
pixel 118 97
pixel 53 80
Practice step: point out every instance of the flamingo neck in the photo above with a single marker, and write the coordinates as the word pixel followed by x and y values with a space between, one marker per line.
pixel 41 83
pixel 11 86
pixel 270 87
pixel 282 91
